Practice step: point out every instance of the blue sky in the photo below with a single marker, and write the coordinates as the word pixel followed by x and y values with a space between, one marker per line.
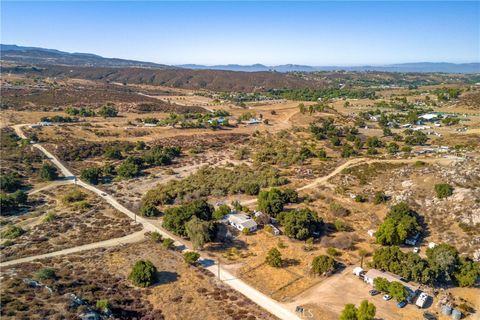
pixel 314 33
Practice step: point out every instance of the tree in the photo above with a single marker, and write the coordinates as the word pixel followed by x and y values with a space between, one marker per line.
pixel 349 312
pixel 108 111
pixel 323 264
pixel 443 190
pixel 300 224
pixel 149 210
pixel 168 243
pixel 468 272
pixel 143 273
pixel 199 232
pixel 48 172
pixel 400 223
pixel 128 169
pixel 91 175
pixel 290 195
pixel 393 148
pixel 175 218
pixel 366 311
pixel 221 212
pixel 347 151
pixel 271 202
pixel 113 154
pixel 443 260
pixel 381 284
pixel 274 258
pixel 191 257
pixel 397 291
pixel 10 182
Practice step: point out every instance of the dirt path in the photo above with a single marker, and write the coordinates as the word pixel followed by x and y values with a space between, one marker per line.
pixel 239 285
pixel 134 237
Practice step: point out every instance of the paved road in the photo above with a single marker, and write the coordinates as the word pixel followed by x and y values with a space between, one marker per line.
pixel 239 285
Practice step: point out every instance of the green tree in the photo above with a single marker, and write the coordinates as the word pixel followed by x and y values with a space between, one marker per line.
pixel 113 154
pixel 381 284
pixel 274 258
pixel 221 212
pixel 400 223
pixel 48 172
pixel 91 175
pixel 443 190
pixel 199 232
pixel 149 210
pixel 397 291
pixel 468 272
pixel 323 264
pixel 271 202
pixel 128 169
pixel 443 260
pixel 379 197
pixel 191 257
pixel 175 218
pixel 108 111
pixel 168 243
pixel 143 273
pixel 349 312
pixel 366 311
pixel 300 224
pixel 393 148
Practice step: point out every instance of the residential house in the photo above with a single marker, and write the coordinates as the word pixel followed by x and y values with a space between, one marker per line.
pixel 242 221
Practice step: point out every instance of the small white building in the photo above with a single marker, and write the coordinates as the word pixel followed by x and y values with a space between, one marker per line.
pixel 428 116
pixel 253 121
pixel 242 221
pixel 358 271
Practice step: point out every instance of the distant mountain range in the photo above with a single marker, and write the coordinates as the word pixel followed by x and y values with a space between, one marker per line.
pixel 403 67
pixel 33 55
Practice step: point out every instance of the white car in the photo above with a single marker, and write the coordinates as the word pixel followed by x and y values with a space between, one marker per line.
pixel 416 250
pixel 104 194
pixel 422 299
pixel 387 297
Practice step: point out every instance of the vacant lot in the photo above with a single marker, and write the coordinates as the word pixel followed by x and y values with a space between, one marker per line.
pixel 180 291
pixel 54 223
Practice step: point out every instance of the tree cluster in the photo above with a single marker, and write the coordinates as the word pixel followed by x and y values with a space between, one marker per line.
pixel 400 223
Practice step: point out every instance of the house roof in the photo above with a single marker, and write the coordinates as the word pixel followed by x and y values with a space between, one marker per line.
pixel 242 219
pixel 374 273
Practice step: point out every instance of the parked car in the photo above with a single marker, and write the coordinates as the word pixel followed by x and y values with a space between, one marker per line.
pixel 429 316
pixel 422 300
pixel 387 297
pixel 402 303
pixel 104 194
pixel 373 292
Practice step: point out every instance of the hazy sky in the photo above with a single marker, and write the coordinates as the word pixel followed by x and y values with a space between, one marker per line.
pixel 314 33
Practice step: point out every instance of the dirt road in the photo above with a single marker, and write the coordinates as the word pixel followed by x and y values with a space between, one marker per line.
pixel 239 285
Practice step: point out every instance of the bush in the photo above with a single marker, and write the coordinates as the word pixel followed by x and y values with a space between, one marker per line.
pixel 143 273
pixel 168 243
pixel 74 196
pixel 149 210
pixel 48 172
pixel 332 252
pixel 380 197
pixel 155 236
pixel 323 264
pixel 443 190
pixel 49 217
pixel 12 232
pixel 338 210
pixel 274 258
pixel 191 257
pixel 108 111
pixel 45 273
pixel 340 225
pixel 103 304
pixel 10 182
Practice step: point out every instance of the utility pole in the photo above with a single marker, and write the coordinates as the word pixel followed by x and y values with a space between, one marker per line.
pixel 218 272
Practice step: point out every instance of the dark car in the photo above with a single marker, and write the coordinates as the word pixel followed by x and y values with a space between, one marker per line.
pixel 429 316
pixel 373 292
pixel 402 303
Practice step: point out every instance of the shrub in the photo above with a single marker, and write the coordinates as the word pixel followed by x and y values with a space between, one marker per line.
pixel 103 304
pixel 74 196
pixel 149 210
pixel 221 212
pixel 338 210
pixel 143 273
pixel 168 243
pixel 12 232
pixel 332 252
pixel 323 264
pixel 155 236
pixel 443 190
pixel 340 225
pixel 274 258
pixel 191 257
pixel 48 172
pixel 379 197
pixel 45 273
pixel 49 217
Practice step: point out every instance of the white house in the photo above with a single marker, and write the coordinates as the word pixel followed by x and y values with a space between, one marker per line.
pixel 242 221
pixel 428 116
